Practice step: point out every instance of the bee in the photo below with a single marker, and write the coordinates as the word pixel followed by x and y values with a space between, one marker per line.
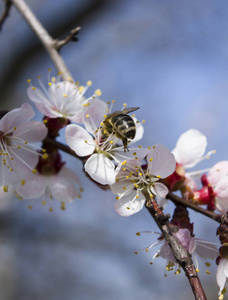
pixel 120 124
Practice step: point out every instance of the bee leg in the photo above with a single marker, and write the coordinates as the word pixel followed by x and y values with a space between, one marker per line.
pixel 125 145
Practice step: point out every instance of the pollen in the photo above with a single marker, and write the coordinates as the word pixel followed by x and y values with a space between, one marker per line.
pixel 111 142
pixel 59 73
pixel 208 272
pixel 81 189
pixel 124 169
pixel 18 147
pixel 5 188
pixel 197 270
pixel 153 147
pixel 49 83
pixel 178 271
pixel 45 121
pixel 15 128
pixel 44 202
pixel 140 146
pixel 108 102
pixel 53 79
pixel 151 159
pixel 125 104
pixel 63 205
pixel 81 88
pixel 29 206
pixel 151 196
pixel 128 207
pixel 22 182
pixel 87 116
pixel 140 174
pixel 149 147
pixel 143 121
pixel 38 77
pixel 138 233
pixel 49 70
pixel 117 179
pixel 105 116
pixel 117 198
pixel 89 83
pixel 134 153
pixel 133 115
pixel 136 157
pixel 28 80
pixel 158 176
pixel 207 264
pixel 98 92
pixel 137 196
pixel 124 162
pixel 65 95
pixel 101 123
pixel 33 88
pixel 85 141
pixel 45 156
pixel 26 143
pixel 147 250
pixel 221 297
pixel 34 171
pixel 51 209
pixel 124 187
pixel 136 252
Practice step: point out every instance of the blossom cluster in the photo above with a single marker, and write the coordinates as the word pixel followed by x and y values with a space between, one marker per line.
pixel 104 140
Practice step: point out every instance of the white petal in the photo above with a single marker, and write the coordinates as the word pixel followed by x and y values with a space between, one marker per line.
pixel 62 189
pixel 16 117
pixel 93 114
pixel 34 187
pixel 163 161
pixel 190 148
pixel 206 249
pixel 220 275
pixel 100 168
pixel 161 201
pixel 139 131
pixel 118 187
pixel 32 131
pixel 217 172
pixel 159 189
pixel 121 156
pixel 70 175
pixel 76 136
pixel 126 207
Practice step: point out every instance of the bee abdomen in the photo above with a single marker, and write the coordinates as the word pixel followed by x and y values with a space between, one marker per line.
pixel 125 126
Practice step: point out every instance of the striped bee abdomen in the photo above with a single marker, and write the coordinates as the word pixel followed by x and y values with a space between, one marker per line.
pixel 124 126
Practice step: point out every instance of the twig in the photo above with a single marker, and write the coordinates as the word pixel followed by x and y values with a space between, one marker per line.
pixel 181 255
pixel 180 201
pixel 47 41
pixel 70 37
pixel 5 14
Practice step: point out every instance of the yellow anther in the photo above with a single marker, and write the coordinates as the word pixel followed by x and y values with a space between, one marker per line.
pixel 53 79
pixel 207 264
pixel 140 174
pixel 136 252
pixel 29 206
pixel 149 147
pixel 108 102
pixel 45 156
pixel 151 159
pixel 140 146
pixel 221 297
pixel 151 263
pixel 147 250
pixel 49 70
pixel 98 92
pixel 11 170
pixel 124 187
pixel 89 83
pixel 69 79
pixel 65 95
pixel 134 153
pixel 218 170
pixel 28 80
pixel 18 147
pixel 128 207
pixel 26 143
pixel 34 171
pixel 22 182
pixel 45 121
pixel 117 198
pixel 87 116
pixel 33 88
pixel 59 73
pixel 51 209
pixel 86 141
pixel 127 177
pixel 153 147
pixel 81 88
pixel 15 128
pixel 137 196
pixel 133 115
pixel 125 104
pixel 111 142
pixel 5 188
pixel 101 123
pixel 44 202
pixel 117 179
pixel 151 196
pixel 124 169
pixel 49 83
pixel 158 176
pixel 136 157
pixel 38 77
pixel 113 101
pixel 124 162
pixel 197 270
pixel 81 189
pixel 208 272
pixel 138 233
pixel 178 271
pixel 143 121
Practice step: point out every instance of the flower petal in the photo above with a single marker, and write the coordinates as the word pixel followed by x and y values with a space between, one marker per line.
pixel 79 140
pixel 34 187
pixel 217 172
pixel 190 148
pixel 205 249
pixel 126 206
pixel 159 189
pixel 220 275
pixel 16 117
pixel 160 161
pixel 100 168
pixel 62 189
pixel 32 131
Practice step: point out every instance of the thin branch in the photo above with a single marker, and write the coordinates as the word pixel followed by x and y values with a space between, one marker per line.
pixel 70 37
pixel 5 14
pixel 47 41
pixel 180 201
pixel 181 255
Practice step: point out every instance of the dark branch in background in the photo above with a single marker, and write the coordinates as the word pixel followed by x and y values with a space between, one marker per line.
pixel 181 255
pixel 72 37
pixel 179 201
pixel 5 14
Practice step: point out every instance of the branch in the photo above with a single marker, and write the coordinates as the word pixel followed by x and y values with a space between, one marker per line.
pixel 180 201
pixel 5 14
pixel 181 255
pixel 48 42
pixel 71 37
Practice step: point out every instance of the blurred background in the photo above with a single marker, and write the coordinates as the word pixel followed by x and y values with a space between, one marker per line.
pixel 168 57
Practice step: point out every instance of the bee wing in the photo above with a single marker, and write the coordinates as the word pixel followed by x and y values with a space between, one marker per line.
pixel 128 110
